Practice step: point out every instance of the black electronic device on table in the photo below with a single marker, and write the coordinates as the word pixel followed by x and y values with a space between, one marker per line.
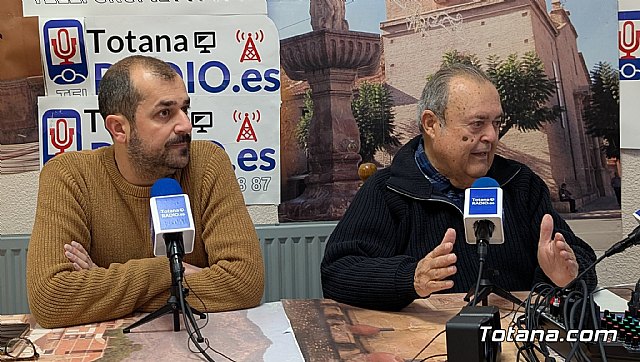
pixel 625 348
pixel 468 327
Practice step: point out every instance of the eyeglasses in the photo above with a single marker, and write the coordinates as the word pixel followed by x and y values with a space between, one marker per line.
pixel 19 349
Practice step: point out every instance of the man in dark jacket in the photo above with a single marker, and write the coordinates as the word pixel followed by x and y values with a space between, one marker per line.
pixel 565 195
pixel 402 238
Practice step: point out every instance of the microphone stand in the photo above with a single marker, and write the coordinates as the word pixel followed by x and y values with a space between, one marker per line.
pixel 175 303
pixel 484 286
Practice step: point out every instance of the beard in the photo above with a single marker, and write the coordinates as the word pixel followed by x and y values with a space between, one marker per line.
pixel 153 164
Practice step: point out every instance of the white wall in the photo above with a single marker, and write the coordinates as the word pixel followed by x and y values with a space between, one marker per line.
pixel 623 268
pixel 264 214
pixel 18 194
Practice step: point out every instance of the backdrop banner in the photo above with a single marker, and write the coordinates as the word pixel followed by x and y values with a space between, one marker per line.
pixel 629 64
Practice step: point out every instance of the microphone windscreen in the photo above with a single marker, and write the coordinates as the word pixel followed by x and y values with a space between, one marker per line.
pixel 485 182
pixel 165 186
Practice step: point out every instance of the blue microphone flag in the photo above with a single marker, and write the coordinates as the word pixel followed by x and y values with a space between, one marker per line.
pixel 483 201
pixel 170 213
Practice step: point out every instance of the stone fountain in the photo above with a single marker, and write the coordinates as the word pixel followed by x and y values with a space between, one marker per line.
pixel 329 58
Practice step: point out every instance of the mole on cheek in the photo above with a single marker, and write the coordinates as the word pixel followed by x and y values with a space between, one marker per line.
pixel 465 138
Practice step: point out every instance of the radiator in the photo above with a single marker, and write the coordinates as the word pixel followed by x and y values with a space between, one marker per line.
pixel 292 255
pixel 13 284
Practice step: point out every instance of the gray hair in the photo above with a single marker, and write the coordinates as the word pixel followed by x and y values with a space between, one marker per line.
pixel 435 95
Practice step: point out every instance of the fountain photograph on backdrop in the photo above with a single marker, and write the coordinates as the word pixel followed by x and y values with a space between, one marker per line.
pixel 350 89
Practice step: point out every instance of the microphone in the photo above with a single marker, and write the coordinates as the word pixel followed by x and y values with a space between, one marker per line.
pixel 171 218
pixel 634 301
pixel 173 232
pixel 483 212
pixel 632 239
pixel 483 226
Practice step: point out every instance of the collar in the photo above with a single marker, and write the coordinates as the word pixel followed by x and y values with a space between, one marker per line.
pixel 407 178
pixel 439 182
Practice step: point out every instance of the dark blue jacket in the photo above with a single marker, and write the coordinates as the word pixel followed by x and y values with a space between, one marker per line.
pixel 396 218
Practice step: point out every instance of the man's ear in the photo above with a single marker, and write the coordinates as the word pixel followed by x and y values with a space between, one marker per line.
pixel 429 122
pixel 118 126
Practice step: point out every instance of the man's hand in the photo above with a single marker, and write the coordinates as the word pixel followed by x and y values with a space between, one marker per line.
pixel 436 266
pixel 81 260
pixel 190 269
pixel 78 256
pixel 555 256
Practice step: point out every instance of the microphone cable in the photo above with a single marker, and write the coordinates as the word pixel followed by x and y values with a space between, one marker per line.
pixel 482 255
pixel 529 321
pixel 632 239
pixel 187 325
pixel 569 323
pixel 427 345
pixel 594 317
pixel 578 308
pixel 192 334
pixel 206 315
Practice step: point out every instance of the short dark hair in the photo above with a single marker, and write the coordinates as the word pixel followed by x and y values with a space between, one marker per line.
pixel 435 95
pixel 118 95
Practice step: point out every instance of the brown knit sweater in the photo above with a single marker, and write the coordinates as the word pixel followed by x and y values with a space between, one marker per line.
pixel 83 197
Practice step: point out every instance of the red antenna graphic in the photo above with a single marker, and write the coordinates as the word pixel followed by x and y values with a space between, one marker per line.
pixel 239 36
pixel 250 51
pixel 246 133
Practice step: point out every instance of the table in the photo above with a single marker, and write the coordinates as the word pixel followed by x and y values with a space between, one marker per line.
pixel 257 334
pixel 290 331
pixel 330 331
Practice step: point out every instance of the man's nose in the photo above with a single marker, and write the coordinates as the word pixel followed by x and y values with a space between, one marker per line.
pixel 490 133
pixel 184 124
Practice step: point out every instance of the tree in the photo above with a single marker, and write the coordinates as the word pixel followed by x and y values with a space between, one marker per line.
pixel 524 91
pixel 302 129
pixel 374 116
pixel 523 87
pixel 602 113
pixel 372 111
pixel 454 56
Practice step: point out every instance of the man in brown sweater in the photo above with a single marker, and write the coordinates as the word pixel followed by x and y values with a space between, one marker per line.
pixel 90 255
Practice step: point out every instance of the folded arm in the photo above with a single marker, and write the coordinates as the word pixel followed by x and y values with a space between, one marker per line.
pixel 59 295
